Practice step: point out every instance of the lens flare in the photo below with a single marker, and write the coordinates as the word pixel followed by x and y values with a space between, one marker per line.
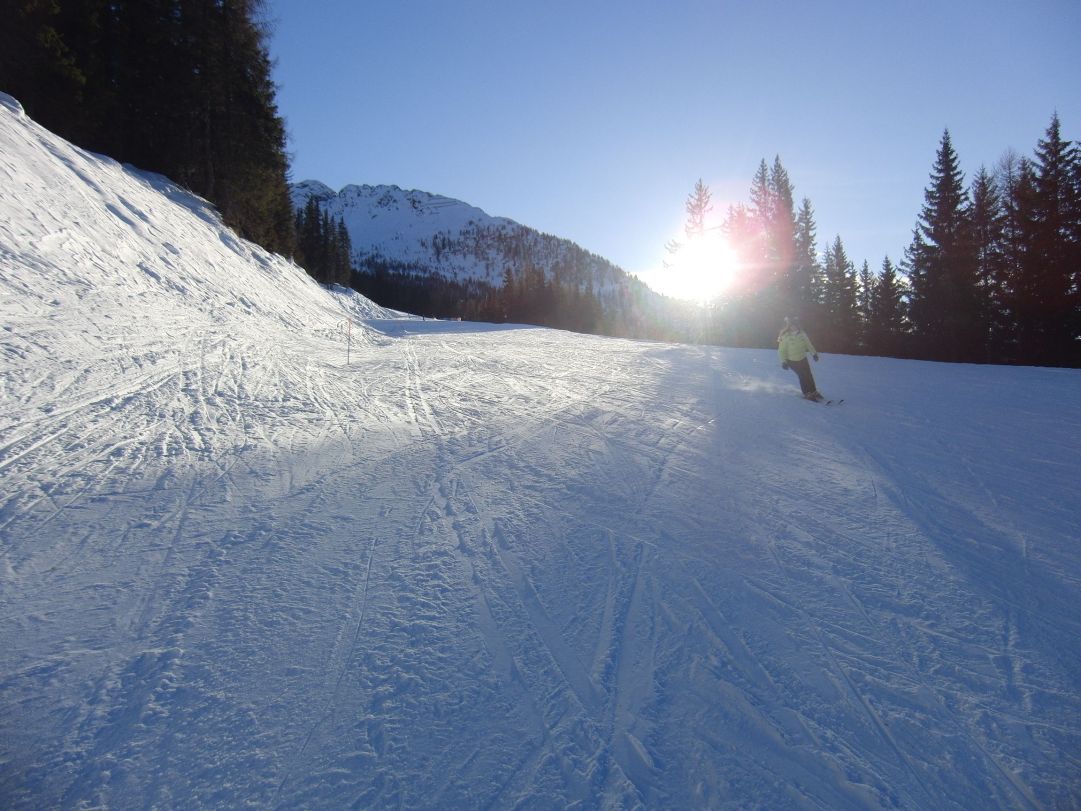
pixel 703 268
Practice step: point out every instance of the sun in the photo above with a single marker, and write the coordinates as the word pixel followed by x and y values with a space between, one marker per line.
pixel 702 269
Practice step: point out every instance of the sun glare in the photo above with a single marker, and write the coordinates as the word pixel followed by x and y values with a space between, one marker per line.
pixel 702 269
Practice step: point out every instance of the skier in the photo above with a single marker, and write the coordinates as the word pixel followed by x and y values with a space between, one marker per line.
pixel 793 346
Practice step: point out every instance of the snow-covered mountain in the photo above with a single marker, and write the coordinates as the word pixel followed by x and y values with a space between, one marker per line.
pixel 245 564
pixel 420 232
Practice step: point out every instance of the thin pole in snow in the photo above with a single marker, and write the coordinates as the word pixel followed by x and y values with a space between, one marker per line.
pixel 348 324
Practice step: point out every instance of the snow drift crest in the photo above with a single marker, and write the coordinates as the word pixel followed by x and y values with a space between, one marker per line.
pixel 95 241
pixel 12 104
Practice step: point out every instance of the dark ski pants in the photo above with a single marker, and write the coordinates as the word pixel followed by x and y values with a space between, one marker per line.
pixel 802 368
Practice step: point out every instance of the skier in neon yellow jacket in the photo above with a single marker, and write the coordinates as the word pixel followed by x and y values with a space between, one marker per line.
pixel 793 347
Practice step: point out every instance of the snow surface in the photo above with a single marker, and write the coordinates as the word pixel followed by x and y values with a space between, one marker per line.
pixel 495 567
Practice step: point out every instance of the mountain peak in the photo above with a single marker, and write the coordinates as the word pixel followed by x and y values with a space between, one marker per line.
pixel 305 189
pixel 431 233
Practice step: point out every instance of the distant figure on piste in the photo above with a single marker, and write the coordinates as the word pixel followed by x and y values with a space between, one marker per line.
pixel 793 347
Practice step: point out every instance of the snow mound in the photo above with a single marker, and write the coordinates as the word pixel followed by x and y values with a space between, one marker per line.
pixel 111 244
pixel 12 105
pixel 361 308
pixel 109 272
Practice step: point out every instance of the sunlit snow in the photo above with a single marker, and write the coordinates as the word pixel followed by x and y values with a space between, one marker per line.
pixel 496 567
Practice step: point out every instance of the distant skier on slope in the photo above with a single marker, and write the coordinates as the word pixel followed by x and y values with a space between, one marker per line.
pixel 793 346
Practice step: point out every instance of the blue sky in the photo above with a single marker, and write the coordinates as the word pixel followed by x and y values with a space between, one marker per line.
pixel 593 120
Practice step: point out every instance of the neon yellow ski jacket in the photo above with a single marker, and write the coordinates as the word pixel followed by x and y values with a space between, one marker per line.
pixel 794 345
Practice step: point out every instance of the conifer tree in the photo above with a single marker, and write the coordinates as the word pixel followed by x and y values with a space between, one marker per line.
pixel 988 234
pixel 887 312
pixel 310 237
pixel 510 295
pixel 698 205
pixel 43 68
pixel 865 284
pixel 1049 286
pixel 781 225
pixel 840 329
pixel 810 281
pixel 180 87
pixel 756 242
pixel 782 238
pixel 344 263
pixel 1016 176
pixel 323 245
pixel 942 265
pixel 327 246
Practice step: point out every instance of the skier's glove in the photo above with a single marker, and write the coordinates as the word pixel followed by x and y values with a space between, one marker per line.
pixel 816 358
pixel 784 365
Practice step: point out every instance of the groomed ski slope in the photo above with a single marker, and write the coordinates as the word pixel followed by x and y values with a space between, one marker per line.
pixel 483 567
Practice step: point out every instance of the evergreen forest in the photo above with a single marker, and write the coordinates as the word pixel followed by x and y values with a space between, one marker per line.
pixel 992 274
pixel 178 87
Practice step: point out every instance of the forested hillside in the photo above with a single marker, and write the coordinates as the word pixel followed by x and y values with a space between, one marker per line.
pixel 179 88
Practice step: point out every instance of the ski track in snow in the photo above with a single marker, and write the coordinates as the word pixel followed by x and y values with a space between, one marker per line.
pixel 483 567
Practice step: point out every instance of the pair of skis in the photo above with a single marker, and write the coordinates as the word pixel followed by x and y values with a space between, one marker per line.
pixel 823 400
